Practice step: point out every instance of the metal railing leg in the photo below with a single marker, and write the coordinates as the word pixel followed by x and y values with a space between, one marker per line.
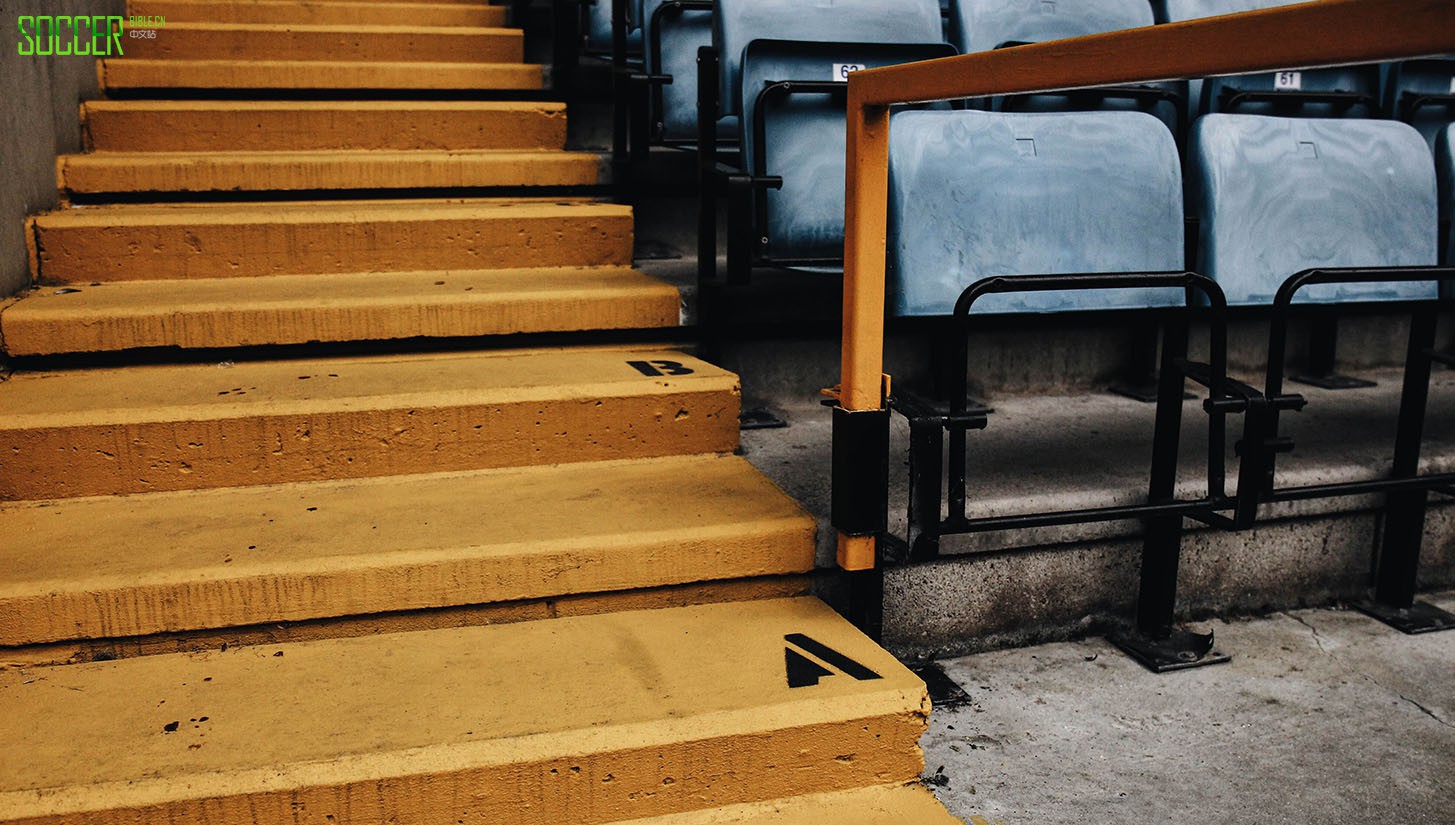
pixel 926 469
pixel 866 601
pixel 1397 560
pixel 566 47
pixel 1156 642
pixel 709 297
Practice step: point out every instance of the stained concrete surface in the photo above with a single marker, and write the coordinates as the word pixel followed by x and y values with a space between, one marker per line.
pixel 1322 716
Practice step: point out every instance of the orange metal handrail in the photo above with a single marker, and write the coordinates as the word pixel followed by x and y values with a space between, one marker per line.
pixel 1308 35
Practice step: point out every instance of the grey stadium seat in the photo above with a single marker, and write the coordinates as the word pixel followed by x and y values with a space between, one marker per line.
pixel 598 28
pixel 983 25
pixel 767 42
pixel 1422 94
pixel 1349 91
pixel 671 37
pixel 977 194
pixel 1275 196
pixel 1445 172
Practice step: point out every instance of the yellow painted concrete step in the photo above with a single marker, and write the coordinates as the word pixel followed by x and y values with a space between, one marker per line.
pixel 170 242
pixel 139 429
pixel 581 720
pixel 908 804
pixel 210 125
pixel 243 41
pixel 321 13
pixel 135 75
pixel 133 172
pixel 205 559
pixel 298 309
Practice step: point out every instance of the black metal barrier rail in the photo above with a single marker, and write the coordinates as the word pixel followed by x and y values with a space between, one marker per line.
pixel 1406 491
pixel 1156 642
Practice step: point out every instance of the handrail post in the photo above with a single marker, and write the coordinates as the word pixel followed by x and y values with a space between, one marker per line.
pixel 866 233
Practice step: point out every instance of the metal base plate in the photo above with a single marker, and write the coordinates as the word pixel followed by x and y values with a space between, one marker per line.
pixel 1334 382
pixel 943 690
pixel 1180 650
pixel 1420 617
pixel 759 419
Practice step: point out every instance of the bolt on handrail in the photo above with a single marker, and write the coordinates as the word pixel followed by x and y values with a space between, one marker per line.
pixel 1308 35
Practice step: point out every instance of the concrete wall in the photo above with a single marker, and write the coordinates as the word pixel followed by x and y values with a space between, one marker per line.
pixel 38 121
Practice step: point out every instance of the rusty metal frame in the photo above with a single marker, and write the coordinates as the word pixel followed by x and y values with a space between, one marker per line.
pixel 1308 35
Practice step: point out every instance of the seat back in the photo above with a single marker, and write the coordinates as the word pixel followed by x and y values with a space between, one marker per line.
pixel 1175 11
pixel 1299 93
pixel 598 28
pixel 982 25
pixel 976 194
pixel 1345 91
pixel 803 138
pixel 737 23
pixel 1275 196
pixel 1445 174
pixel 1422 94
pixel 670 40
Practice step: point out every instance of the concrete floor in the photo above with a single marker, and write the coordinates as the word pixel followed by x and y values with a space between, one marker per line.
pixel 1322 716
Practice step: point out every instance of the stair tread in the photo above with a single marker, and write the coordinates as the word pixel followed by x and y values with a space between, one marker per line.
pixel 275 28
pixel 294 41
pixel 241 556
pixel 165 393
pixel 139 429
pixel 477 14
pixel 179 73
pixel 367 306
pixel 330 211
pixel 206 126
pixel 908 804
pixel 587 719
pixel 303 155
pixel 323 105
pixel 324 169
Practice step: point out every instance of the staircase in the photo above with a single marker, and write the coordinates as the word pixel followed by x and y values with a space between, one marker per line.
pixel 302 519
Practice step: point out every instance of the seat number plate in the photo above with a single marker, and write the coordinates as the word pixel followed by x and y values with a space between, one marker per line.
pixel 843 70
pixel 1288 81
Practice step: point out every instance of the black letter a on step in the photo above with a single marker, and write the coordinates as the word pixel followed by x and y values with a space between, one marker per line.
pixel 802 671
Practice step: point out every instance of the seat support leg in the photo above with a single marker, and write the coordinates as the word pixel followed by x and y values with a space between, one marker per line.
pixel 1397 560
pixel 1155 641
pixel 1323 344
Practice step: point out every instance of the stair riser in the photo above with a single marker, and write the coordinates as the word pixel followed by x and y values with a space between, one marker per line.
pixel 224 128
pixel 103 174
pixel 597 786
pixel 64 462
pixel 407 621
pixel 322 14
pixel 129 74
pixel 180 42
pixel 389 585
pixel 448 317
pixel 138 250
